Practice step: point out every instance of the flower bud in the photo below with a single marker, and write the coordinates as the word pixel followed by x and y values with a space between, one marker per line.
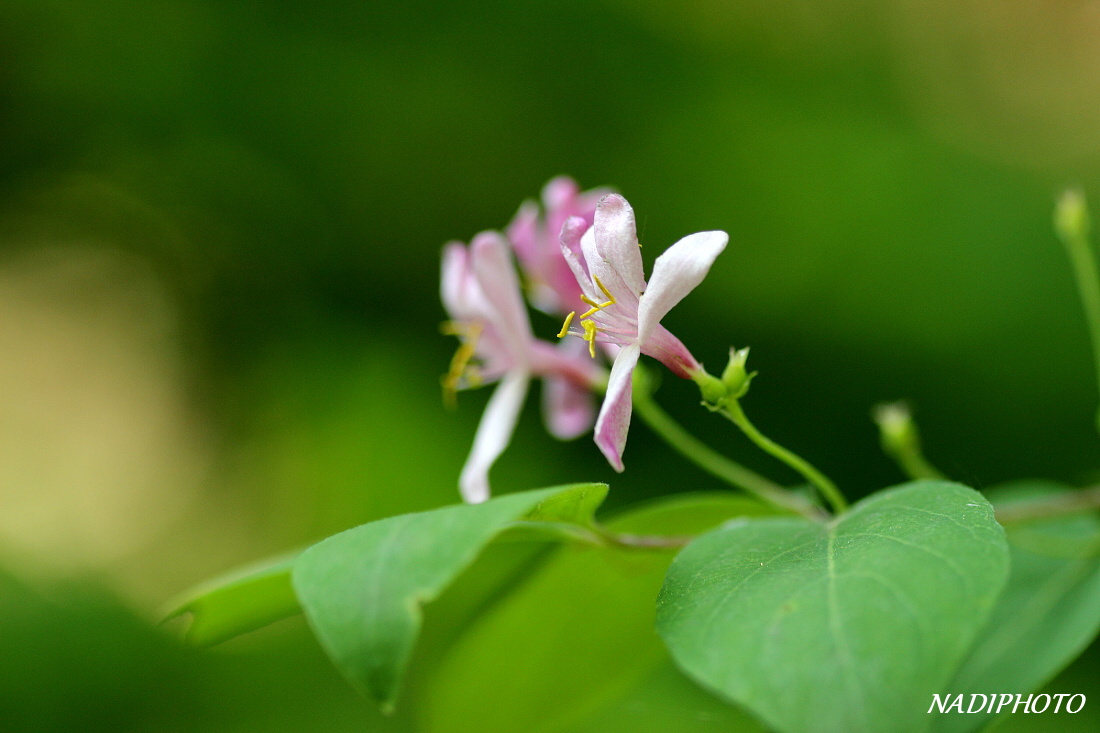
pixel 735 378
pixel 1071 215
pixel 712 389
pixel 896 428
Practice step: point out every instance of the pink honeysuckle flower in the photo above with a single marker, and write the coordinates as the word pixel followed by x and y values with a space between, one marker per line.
pixel 553 289
pixel 481 293
pixel 625 311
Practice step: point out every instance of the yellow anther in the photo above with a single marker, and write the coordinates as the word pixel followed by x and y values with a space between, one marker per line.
pixel 565 326
pixel 604 289
pixel 596 307
pixel 461 360
pixel 590 331
pixel 590 311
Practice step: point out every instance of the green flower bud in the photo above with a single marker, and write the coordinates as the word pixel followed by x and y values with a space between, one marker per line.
pixel 896 428
pixel 735 378
pixel 1071 215
pixel 712 388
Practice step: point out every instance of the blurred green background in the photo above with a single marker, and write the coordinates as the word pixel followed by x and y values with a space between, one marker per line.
pixel 219 234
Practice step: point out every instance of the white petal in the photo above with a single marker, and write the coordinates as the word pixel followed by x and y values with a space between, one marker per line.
pixel 675 274
pixel 614 420
pixel 496 275
pixel 493 434
pixel 617 241
pixel 600 267
pixel 453 278
pixel 572 238
pixel 592 258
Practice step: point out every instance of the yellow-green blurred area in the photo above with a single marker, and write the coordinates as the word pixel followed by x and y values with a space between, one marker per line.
pixel 219 234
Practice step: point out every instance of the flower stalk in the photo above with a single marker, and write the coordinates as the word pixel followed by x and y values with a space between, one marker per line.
pixel 1071 222
pixel 732 411
pixel 713 462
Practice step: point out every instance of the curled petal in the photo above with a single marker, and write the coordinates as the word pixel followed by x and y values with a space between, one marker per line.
pixel 675 274
pixel 496 275
pixel 614 420
pixel 572 233
pixel 617 240
pixel 607 272
pixel 493 434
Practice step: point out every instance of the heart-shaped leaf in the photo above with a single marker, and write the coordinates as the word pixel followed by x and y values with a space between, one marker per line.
pixel 1048 613
pixel 362 589
pixel 847 626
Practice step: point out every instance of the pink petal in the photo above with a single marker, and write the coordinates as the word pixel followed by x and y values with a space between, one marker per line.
pixel 522 232
pixel 496 275
pixel 567 405
pixel 675 274
pixel 670 351
pixel 493 434
pixel 559 192
pixel 617 240
pixel 614 420
pixel 567 409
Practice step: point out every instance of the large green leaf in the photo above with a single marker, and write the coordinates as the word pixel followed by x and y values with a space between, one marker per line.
pixel 362 589
pixel 242 601
pixel 573 648
pixel 848 626
pixel 1048 613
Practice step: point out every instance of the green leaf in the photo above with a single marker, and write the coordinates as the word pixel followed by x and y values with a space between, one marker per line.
pixel 848 626
pixel 573 649
pixel 243 601
pixel 362 589
pixel 1048 613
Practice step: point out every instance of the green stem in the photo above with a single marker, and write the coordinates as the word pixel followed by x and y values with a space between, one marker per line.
pixel 714 463
pixel 598 535
pixel 733 412
pixel 1071 223
pixel 916 466
pixel 645 541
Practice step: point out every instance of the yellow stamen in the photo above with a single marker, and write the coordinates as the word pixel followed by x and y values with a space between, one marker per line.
pixel 590 311
pixel 590 331
pixel 461 360
pixel 450 392
pixel 565 326
pixel 596 306
pixel 606 292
